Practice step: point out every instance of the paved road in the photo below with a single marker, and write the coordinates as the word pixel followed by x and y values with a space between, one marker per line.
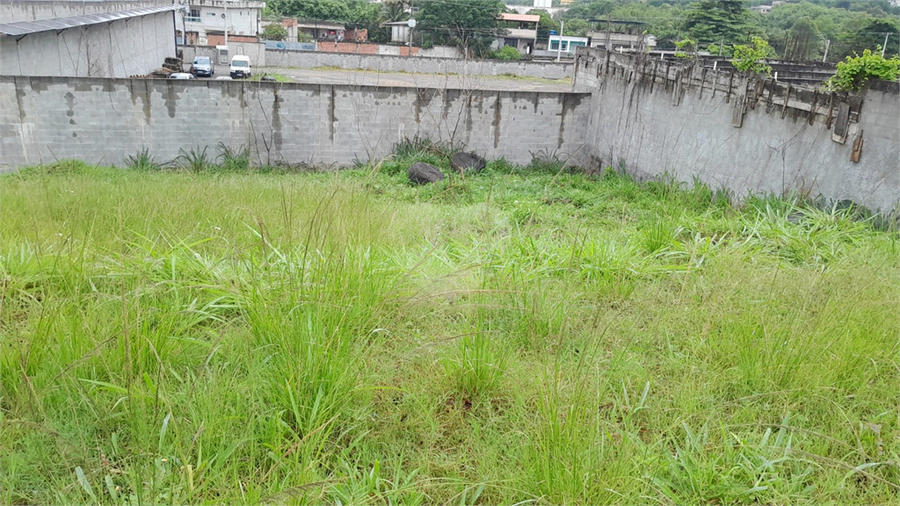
pixel 396 79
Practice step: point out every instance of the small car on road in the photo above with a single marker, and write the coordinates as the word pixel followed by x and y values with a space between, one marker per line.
pixel 202 67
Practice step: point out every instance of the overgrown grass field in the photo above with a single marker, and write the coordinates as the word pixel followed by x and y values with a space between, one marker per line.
pixel 524 335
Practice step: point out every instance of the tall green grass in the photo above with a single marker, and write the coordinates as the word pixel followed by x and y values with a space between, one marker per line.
pixel 523 335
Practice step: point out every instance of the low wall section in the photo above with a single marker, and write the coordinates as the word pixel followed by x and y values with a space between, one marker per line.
pixel 757 136
pixel 417 64
pixel 103 121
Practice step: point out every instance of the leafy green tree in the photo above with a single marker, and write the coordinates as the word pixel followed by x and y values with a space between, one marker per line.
pixel 471 26
pixel 870 35
pixel 545 24
pixel 577 27
pixel 711 21
pixel 332 10
pixel 663 18
pixel 802 41
pixel 395 10
pixel 854 72
pixel 597 9
pixel 274 31
pixel 750 59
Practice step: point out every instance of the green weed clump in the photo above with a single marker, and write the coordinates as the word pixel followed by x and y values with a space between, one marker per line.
pixel 521 335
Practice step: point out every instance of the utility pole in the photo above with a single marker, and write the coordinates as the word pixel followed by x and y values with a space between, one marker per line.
pixel 225 3
pixel 562 25
pixel 827 45
pixel 885 43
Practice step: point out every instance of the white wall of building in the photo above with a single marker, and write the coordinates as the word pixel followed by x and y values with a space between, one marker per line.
pixel 239 17
pixel 135 46
pixel 12 11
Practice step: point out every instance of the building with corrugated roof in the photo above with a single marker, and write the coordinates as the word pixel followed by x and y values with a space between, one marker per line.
pixel 100 38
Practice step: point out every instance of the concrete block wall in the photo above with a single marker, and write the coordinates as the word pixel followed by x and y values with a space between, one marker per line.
pixel 104 121
pixel 739 134
pixel 417 65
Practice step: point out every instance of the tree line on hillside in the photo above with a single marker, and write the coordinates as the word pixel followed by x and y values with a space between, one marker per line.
pixel 797 30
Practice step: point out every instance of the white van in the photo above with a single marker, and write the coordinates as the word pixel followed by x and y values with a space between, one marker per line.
pixel 240 66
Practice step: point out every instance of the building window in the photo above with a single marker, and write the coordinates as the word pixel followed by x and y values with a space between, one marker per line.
pixel 195 13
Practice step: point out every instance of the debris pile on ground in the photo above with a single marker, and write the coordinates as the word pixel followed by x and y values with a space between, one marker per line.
pixel 173 64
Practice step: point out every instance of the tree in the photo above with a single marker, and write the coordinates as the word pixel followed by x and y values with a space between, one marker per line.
pixel 274 31
pixel 545 25
pixel 577 27
pixel 395 10
pixel 870 35
pixel 471 26
pixel 331 10
pixel 802 41
pixel 711 21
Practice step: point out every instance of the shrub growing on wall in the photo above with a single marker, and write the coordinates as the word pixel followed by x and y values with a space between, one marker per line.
pixel 854 72
pixel 751 59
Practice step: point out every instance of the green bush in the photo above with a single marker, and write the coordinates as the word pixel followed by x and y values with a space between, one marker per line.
pixel 508 53
pixel 854 72
pixel 274 32
pixel 751 59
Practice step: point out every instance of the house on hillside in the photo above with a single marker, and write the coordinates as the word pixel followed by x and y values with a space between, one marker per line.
pixel 566 43
pixel 206 21
pixel 80 38
pixel 620 35
pixel 520 32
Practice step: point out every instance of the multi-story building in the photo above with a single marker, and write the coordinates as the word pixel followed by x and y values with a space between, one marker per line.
pixel 207 21
pixel 520 31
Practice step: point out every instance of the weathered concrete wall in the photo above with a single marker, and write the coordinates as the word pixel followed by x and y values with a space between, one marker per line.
pixel 417 65
pixel 747 136
pixel 119 49
pixel 106 120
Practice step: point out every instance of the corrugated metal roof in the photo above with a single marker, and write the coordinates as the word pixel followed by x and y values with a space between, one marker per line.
pixel 22 28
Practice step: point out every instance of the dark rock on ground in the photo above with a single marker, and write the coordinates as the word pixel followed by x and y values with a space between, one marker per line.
pixel 468 162
pixel 424 173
